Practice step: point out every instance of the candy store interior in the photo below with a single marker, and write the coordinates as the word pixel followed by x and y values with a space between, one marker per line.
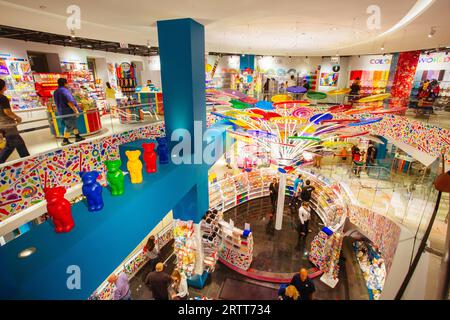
pixel 238 158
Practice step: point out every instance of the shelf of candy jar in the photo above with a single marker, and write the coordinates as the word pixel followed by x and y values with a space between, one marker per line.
pixel 185 246
pixel 21 91
pixel 132 266
pixel 373 267
pixel 215 196
pixel 236 245
pixel 209 227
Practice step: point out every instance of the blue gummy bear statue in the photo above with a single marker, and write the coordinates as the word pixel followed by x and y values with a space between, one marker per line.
pixel 92 190
pixel 163 150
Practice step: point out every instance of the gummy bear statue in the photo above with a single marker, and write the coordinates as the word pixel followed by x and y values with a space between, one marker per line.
pixel 59 209
pixel 134 166
pixel 92 190
pixel 163 150
pixel 115 177
pixel 149 157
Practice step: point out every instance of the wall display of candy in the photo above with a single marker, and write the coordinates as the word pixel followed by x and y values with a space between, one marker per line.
pixel 126 78
pixel 19 83
pixel 215 196
pixel 373 267
pixel 133 264
pixel 209 227
pixel 236 245
pixel 383 232
pixel 372 82
pixel 185 246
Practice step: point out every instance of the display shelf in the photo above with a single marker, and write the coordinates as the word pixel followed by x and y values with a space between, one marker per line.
pixel 210 241
pixel 17 74
pixel 132 265
pixel 185 247
pixel 373 267
pixel 236 245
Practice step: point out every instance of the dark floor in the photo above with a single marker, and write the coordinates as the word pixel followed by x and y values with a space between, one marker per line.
pixel 275 251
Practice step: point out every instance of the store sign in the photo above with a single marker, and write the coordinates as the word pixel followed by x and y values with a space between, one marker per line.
pixel 439 59
pixel 380 61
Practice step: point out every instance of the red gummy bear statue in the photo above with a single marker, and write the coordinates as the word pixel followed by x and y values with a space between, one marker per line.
pixel 149 157
pixel 59 209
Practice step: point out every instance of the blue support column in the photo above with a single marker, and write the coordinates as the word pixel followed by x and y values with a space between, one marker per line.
pixel 182 55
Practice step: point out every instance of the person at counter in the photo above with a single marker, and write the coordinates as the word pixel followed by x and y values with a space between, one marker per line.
pixel 8 128
pixel 68 108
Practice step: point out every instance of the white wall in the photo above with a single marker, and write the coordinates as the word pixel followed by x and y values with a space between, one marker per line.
pixel 416 289
pixel 370 62
pixel 327 67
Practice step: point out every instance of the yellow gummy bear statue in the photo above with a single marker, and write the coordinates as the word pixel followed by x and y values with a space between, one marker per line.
pixel 134 166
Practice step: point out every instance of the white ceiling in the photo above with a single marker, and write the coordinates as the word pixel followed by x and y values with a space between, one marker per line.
pixel 273 27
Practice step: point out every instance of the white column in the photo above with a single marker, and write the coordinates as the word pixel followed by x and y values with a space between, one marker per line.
pixel 280 202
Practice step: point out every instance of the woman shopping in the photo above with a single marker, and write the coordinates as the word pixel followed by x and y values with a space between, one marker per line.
pixel 179 286
pixel 152 252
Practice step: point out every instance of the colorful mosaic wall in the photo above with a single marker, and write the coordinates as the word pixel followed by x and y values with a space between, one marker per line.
pixel 382 231
pixel 21 184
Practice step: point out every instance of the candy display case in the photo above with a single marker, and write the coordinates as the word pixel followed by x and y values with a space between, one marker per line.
pixel 45 84
pixel 185 247
pixel 236 245
pixel 16 72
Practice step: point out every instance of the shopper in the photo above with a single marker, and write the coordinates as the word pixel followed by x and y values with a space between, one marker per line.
pixel 288 293
pixel 273 192
pixel 304 285
pixel 110 94
pixel 122 286
pixel 292 82
pixel 355 88
pixel 8 128
pixel 304 216
pixel 371 155
pixel 306 84
pixel 357 163
pixel 179 286
pixel 159 282
pixel 152 251
pixel 298 185
pixel 306 192
pixel 68 109
pixel 266 89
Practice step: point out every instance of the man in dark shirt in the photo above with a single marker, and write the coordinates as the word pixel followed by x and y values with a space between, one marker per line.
pixel 306 192
pixel 304 285
pixel 68 110
pixel 159 282
pixel 273 191
pixel 8 128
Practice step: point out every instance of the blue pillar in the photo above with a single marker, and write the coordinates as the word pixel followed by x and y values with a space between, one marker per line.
pixel 182 54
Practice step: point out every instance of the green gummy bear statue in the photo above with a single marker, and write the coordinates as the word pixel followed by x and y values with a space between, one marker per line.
pixel 115 177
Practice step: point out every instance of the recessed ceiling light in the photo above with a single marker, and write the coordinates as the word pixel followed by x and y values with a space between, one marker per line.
pixel 25 253
pixel 42 7
pixel 334 28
